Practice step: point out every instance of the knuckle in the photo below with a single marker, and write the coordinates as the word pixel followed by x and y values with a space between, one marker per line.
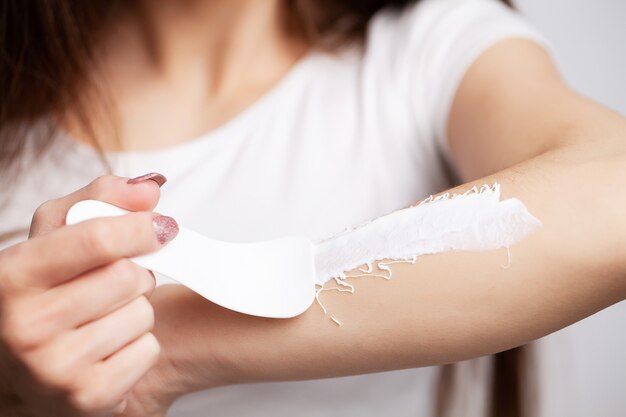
pixel 122 272
pixel 93 397
pixel 17 333
pixel 13 254
pixel 56 311
pixel 145 312
pixel 139 225
pixel 98 239
pixel 44 210
pixel 99 187
pixel 128 277
pixel 55 373
pixel 10 260
pixel 149 279
pixel 50 367
pixel 145 279
pixel 152 347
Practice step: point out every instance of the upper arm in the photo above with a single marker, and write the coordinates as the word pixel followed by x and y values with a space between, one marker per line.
pixel 511 105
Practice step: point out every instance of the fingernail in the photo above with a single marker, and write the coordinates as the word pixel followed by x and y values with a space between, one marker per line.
pixel 165 228
pixel 153 176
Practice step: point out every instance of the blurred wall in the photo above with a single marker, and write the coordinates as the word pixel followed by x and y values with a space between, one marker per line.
pixel 583 368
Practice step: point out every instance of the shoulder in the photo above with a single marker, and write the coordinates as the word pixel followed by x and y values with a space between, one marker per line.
pixel 435 22
pixel 434 10
pixel 428 46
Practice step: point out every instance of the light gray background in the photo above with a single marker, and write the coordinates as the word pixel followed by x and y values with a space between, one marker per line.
pixel 583 368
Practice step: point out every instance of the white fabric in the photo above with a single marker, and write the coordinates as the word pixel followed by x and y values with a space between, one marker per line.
pixel 339 141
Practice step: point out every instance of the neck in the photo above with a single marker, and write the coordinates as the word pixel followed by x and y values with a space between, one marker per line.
pixel 225 38
pixel 190 64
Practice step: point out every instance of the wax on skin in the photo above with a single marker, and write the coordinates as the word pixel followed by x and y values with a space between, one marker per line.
pixel 476 220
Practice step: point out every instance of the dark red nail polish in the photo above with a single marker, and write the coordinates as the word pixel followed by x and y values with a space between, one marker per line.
pixel 153 176
pixel 165 228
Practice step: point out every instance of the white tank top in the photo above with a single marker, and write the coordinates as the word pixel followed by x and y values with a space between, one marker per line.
pixel 340 140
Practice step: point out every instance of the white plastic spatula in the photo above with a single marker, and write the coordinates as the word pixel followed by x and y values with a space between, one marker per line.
pixel 274 279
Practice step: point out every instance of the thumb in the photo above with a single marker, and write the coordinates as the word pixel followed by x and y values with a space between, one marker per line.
pixel 136 194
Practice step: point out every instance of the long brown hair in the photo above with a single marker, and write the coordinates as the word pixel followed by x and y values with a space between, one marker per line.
pixel 45 57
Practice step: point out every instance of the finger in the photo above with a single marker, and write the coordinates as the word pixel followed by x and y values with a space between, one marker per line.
pixel 92 296
pixel 148 294
pixel 121 407
pixel 100 339
pixel 137 194
pixel 107 382
pixel 56 257
pixel 70 353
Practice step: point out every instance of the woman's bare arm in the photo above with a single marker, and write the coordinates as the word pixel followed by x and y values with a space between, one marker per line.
pixel 566 160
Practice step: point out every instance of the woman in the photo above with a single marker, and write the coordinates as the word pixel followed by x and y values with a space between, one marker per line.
pixel 320 115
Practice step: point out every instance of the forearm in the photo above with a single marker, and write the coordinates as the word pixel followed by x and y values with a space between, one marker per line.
pixel 445 307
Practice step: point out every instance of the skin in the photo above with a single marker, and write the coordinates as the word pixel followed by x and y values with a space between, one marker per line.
pixel 68 354
pixel 512 120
